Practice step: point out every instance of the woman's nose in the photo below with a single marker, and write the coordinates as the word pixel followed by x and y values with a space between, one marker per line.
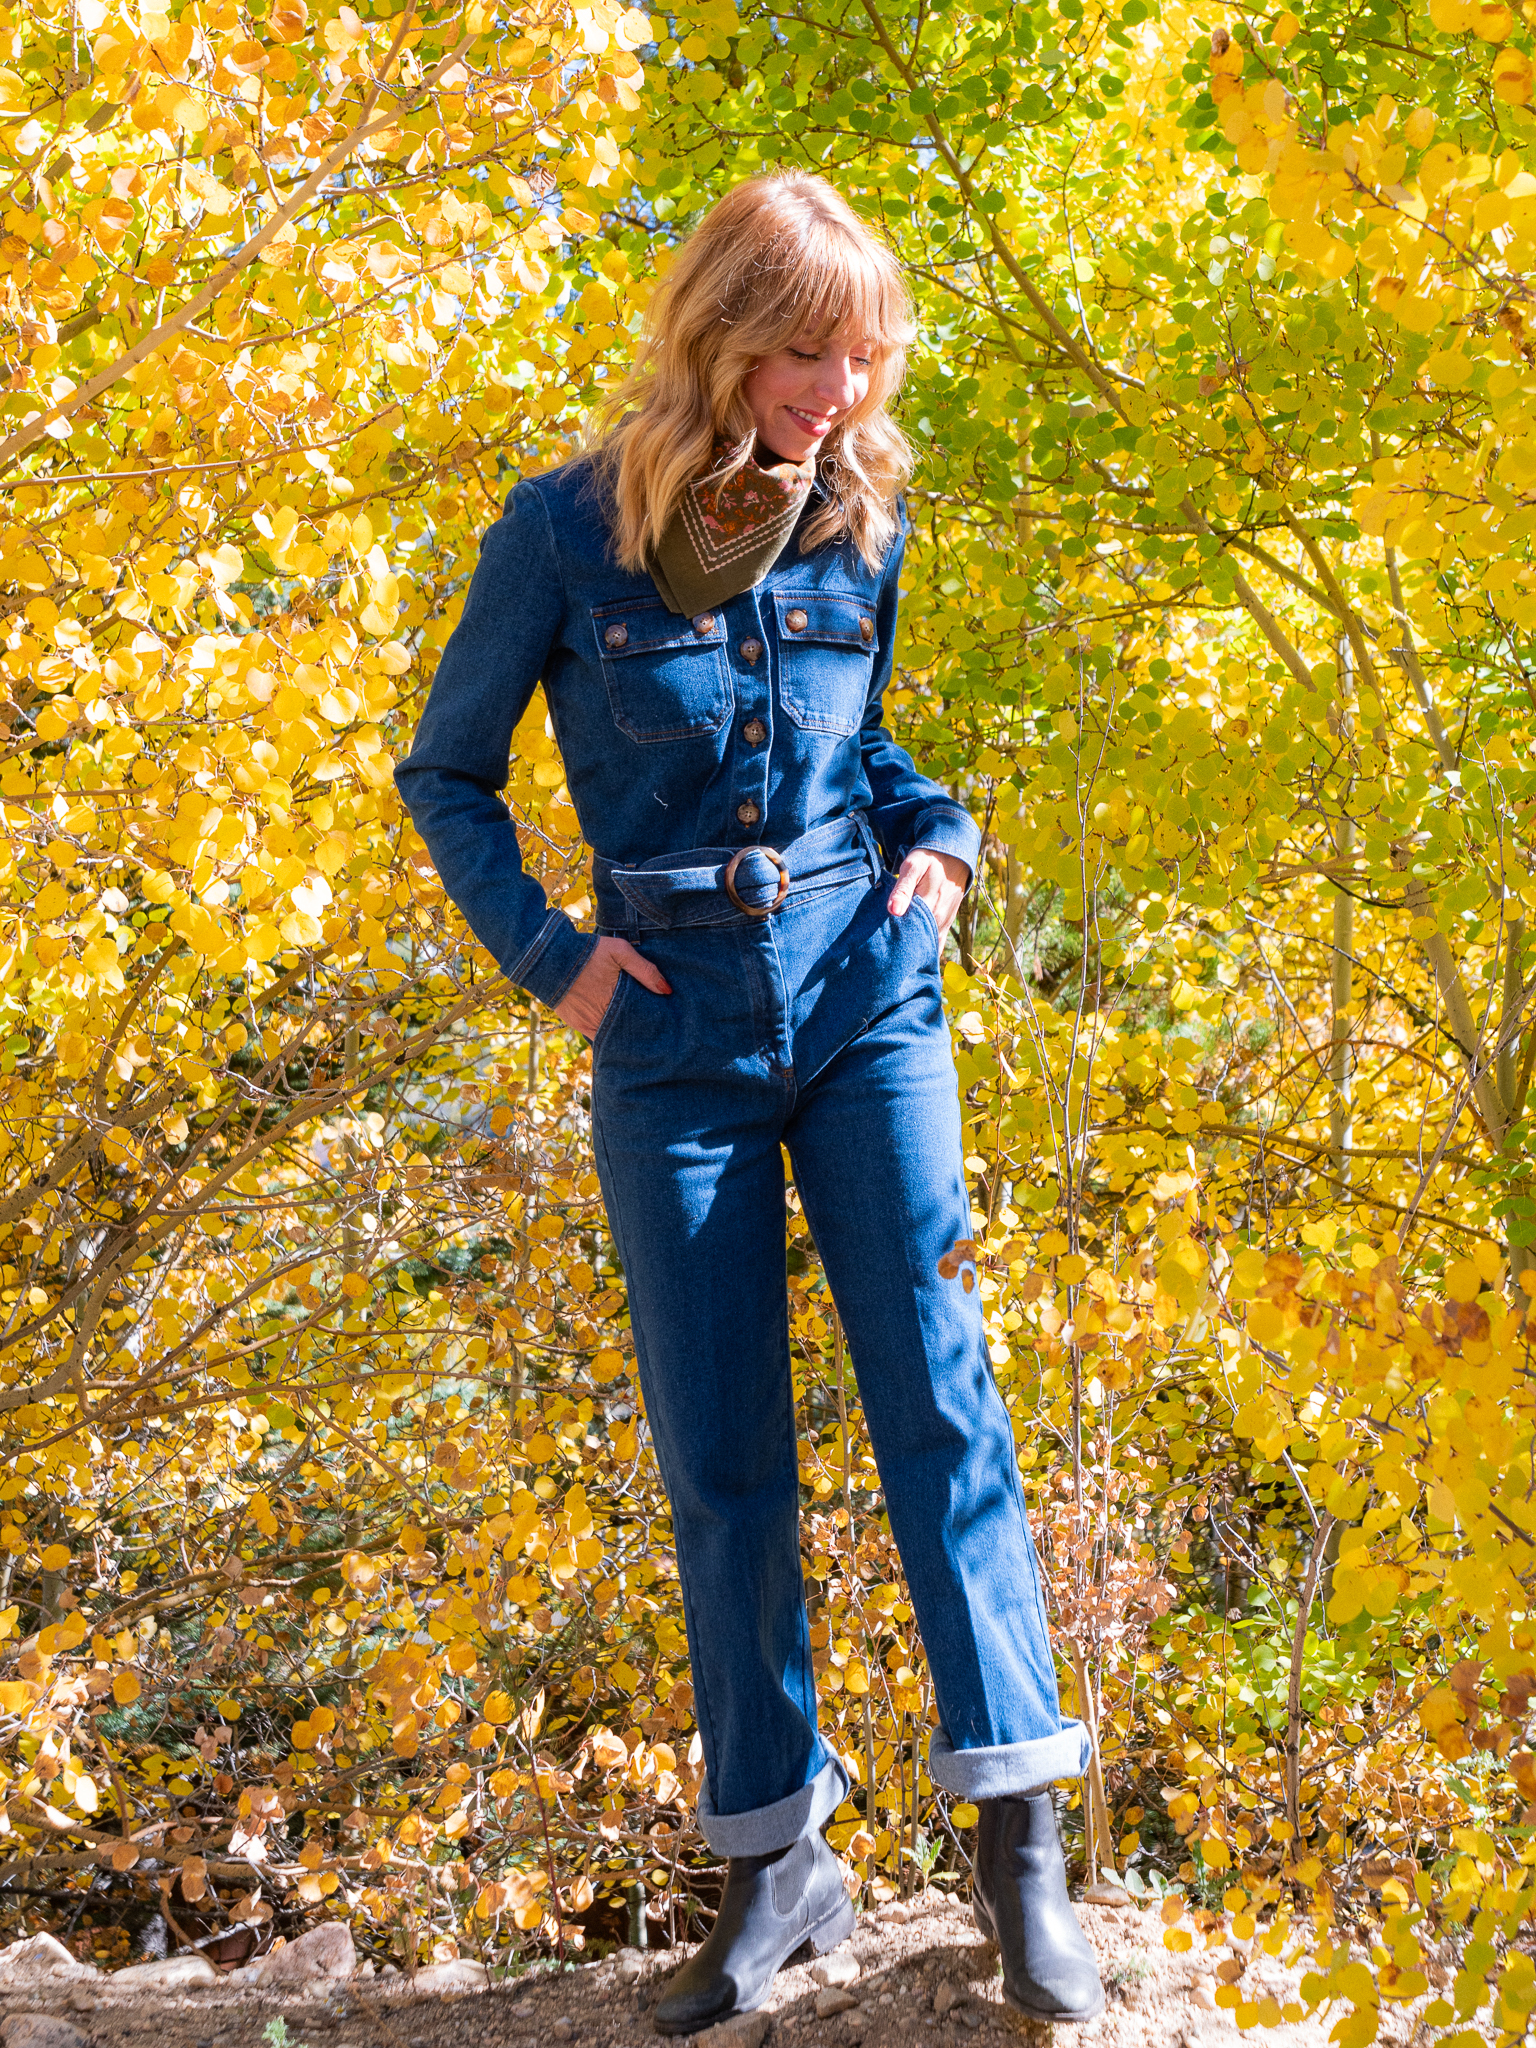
pixel 835 385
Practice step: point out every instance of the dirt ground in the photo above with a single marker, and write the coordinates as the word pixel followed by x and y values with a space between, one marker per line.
pixel 926 1978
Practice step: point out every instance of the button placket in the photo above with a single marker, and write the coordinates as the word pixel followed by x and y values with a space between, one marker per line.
pixel 747 636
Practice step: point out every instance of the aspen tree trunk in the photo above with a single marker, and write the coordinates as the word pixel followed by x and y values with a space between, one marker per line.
pixel 1341 1055
pixel 1014 898
pixel 1099 1839
pixel 871 1824
pixel 349 1245
pixel 1511 1071
pixel 1015 887
pixel 1508 1067
pixel 1321 1534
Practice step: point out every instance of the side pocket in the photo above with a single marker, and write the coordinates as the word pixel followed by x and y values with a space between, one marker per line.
pixel 933 927
pixel 615 1002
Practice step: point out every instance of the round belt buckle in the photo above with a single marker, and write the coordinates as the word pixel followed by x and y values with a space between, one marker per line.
pixel 751 909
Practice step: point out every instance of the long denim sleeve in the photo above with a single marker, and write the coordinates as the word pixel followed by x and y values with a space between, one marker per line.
pixel 463 748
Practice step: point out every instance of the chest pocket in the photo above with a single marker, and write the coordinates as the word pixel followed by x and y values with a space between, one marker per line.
pixel 826 653
pixel 666 676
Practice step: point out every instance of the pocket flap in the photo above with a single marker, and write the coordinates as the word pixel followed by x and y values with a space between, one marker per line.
pixel 818 615
pixel 626 629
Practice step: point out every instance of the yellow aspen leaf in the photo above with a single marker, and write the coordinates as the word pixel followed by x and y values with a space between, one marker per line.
pixel 1463 1282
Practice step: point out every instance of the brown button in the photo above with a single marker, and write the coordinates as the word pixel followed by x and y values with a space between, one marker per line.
pixel 754 732
pixel 748 813
pixel 750 650
pixel 866 630
pixel 796 621
pixel 616 636
pixel 704 623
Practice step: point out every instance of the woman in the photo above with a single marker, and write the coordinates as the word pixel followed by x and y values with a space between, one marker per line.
pixel 710 601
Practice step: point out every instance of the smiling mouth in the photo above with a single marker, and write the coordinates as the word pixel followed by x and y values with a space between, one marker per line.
pixel 810 424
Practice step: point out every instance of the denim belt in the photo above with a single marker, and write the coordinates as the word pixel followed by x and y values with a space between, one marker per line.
pixel 732 884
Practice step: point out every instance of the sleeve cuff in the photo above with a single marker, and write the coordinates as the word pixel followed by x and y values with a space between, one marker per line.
pixel 945 828
pixel 554 959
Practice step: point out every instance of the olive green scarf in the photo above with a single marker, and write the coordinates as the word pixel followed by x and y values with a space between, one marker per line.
pixel 726 535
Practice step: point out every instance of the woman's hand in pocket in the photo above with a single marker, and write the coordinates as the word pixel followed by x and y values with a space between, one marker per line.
pixel 939 879
pixel 586 1000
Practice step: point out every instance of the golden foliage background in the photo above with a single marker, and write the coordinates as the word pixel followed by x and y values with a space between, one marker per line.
pixel 336 1572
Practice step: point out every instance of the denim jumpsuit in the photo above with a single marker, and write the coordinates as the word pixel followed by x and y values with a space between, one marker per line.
pixel 818 1028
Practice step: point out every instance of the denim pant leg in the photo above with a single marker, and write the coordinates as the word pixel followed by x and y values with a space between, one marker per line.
pixel 875 1141
pixel 693 1178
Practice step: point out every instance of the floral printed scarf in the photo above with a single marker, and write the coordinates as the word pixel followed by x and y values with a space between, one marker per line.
pixel 725 537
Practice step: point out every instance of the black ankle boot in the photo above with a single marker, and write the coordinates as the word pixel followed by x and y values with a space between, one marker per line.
pixel 772 1904
pixel 1019 1898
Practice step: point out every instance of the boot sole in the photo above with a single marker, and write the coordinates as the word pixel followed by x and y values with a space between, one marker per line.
pixel 835 1928
pixel 988 1932
pixel 829 1932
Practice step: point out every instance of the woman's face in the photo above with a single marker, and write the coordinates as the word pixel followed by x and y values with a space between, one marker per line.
pixel 798 393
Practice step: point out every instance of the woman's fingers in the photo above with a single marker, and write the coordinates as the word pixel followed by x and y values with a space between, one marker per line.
pixel 912 871
pixel 586 1000
pixel 939 878
pixel 645 971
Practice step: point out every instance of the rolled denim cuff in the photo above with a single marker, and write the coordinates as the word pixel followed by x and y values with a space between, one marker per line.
pixel 1012 1768
pixel 766 1828
pixel 554 959
pixel 946 828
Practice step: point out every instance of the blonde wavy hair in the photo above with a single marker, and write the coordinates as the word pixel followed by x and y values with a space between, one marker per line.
pixel 780 256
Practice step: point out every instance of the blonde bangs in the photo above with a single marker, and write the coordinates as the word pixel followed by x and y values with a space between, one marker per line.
pixel 825 282
pixel 778 258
